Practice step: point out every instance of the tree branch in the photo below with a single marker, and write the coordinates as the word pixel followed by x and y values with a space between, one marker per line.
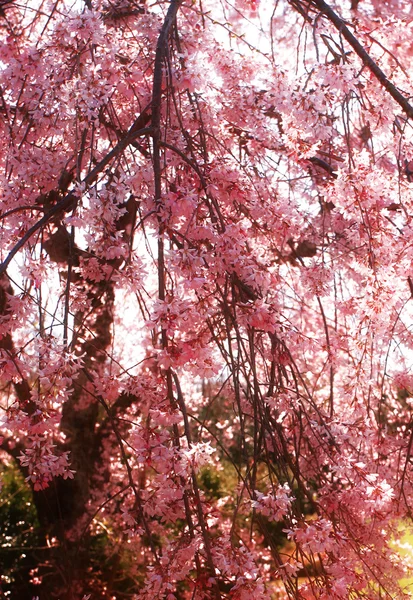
pixel 70 198
pixel 365 57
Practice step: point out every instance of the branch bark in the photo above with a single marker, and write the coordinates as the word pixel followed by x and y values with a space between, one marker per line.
pixel 340 25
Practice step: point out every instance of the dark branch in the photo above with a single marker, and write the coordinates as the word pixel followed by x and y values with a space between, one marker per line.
pixel 365 57
pixel 69 201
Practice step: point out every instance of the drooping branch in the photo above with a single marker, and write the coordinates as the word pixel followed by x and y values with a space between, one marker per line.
pixel 340 25
pixel 161 51
pixel 69 200
pixel 161 48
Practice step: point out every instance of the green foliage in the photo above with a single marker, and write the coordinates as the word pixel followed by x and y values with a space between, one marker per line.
pixel 210 482
pixel 24 546
pixel 19 532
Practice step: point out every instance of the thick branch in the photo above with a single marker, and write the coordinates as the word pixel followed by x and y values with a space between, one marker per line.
pixel 365 57
pixel 161 48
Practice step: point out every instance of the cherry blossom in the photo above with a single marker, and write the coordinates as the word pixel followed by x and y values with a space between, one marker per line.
pixel 206 298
